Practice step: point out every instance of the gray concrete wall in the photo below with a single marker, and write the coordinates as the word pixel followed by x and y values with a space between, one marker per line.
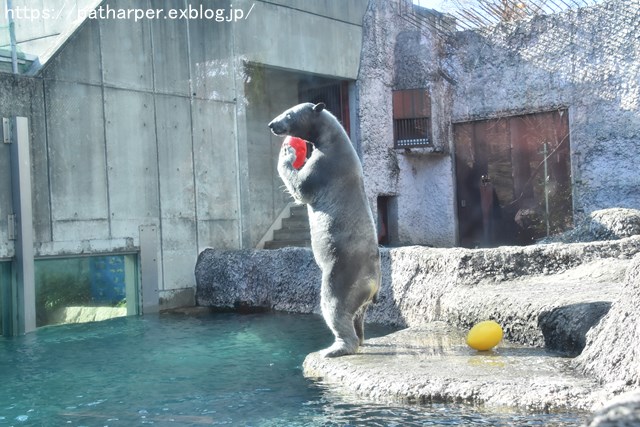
pixel 585 60
pixel 20 97
pixel 307 36
pixel 160 122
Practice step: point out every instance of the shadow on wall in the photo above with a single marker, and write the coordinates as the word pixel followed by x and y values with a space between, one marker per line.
pixel 565 328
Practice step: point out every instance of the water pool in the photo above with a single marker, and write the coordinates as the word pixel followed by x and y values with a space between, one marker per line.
pixel 219 369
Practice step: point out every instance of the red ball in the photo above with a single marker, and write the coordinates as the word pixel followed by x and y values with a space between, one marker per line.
pixel 300 146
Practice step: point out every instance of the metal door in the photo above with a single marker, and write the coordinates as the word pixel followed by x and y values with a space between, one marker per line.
pixel 513 179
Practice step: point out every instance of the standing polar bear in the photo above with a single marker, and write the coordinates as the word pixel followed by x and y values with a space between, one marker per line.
pixel 343 234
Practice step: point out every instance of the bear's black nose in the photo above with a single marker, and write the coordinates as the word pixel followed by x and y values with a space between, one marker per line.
pixel 275 128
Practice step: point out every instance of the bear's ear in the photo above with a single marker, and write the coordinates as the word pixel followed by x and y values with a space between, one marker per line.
pixel 319 107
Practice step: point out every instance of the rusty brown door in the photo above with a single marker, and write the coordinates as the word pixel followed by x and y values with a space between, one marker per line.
pixel 513 179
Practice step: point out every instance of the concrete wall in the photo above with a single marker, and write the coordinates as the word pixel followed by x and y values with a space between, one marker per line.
pixel 20 97
pixel 307 34
pixel 585 60
pixel 163 122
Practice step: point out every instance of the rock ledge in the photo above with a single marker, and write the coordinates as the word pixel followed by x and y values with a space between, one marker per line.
pixel 578 299
pixel 432 363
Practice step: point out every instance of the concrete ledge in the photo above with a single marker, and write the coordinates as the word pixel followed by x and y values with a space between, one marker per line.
pixel 176 298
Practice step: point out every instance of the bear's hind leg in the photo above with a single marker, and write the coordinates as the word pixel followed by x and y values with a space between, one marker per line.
pixel 343 329
pixel 369 293
pixel 358 324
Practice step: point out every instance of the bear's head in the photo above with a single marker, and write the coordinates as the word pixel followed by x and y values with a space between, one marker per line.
pixel 301 121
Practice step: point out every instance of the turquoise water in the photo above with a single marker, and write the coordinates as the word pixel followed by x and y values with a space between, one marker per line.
pixel 222 369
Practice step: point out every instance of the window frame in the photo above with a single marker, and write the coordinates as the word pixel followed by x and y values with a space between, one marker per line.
pixel 412 124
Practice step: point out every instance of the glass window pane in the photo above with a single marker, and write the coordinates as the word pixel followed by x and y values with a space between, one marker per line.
pixel 85 289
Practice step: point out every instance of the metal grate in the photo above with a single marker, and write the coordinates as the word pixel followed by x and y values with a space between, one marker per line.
pixel 414 132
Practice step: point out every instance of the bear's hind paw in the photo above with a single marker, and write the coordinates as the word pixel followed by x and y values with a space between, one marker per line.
pixel 337 350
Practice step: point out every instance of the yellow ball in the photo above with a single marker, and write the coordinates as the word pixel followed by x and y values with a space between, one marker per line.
pixel 484 335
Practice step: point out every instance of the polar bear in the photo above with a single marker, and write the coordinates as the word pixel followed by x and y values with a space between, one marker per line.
pixel 343 233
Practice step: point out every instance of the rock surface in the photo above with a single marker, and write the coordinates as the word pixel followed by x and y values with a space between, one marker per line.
pixel 605 224
pixel 612 354
pixel 623 411
pixel 544 296
pixel 286 279
pixel 433 364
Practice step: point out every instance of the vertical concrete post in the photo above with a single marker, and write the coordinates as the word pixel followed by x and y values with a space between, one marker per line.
pixel 150 299
pixel 132 287
pixel 24 287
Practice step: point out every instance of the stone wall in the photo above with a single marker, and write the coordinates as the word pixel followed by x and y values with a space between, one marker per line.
pixel 585 60
pixel 396 56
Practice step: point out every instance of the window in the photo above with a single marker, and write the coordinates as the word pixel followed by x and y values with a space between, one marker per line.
pixel 85 289
pixel 411 118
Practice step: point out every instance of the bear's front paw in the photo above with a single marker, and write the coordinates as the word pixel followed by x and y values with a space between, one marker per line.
pixel 287 154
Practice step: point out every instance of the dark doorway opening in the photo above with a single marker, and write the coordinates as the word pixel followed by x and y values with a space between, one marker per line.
pixel 513 179
pixel 382 221
pixel 334 93
pixel 387 220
